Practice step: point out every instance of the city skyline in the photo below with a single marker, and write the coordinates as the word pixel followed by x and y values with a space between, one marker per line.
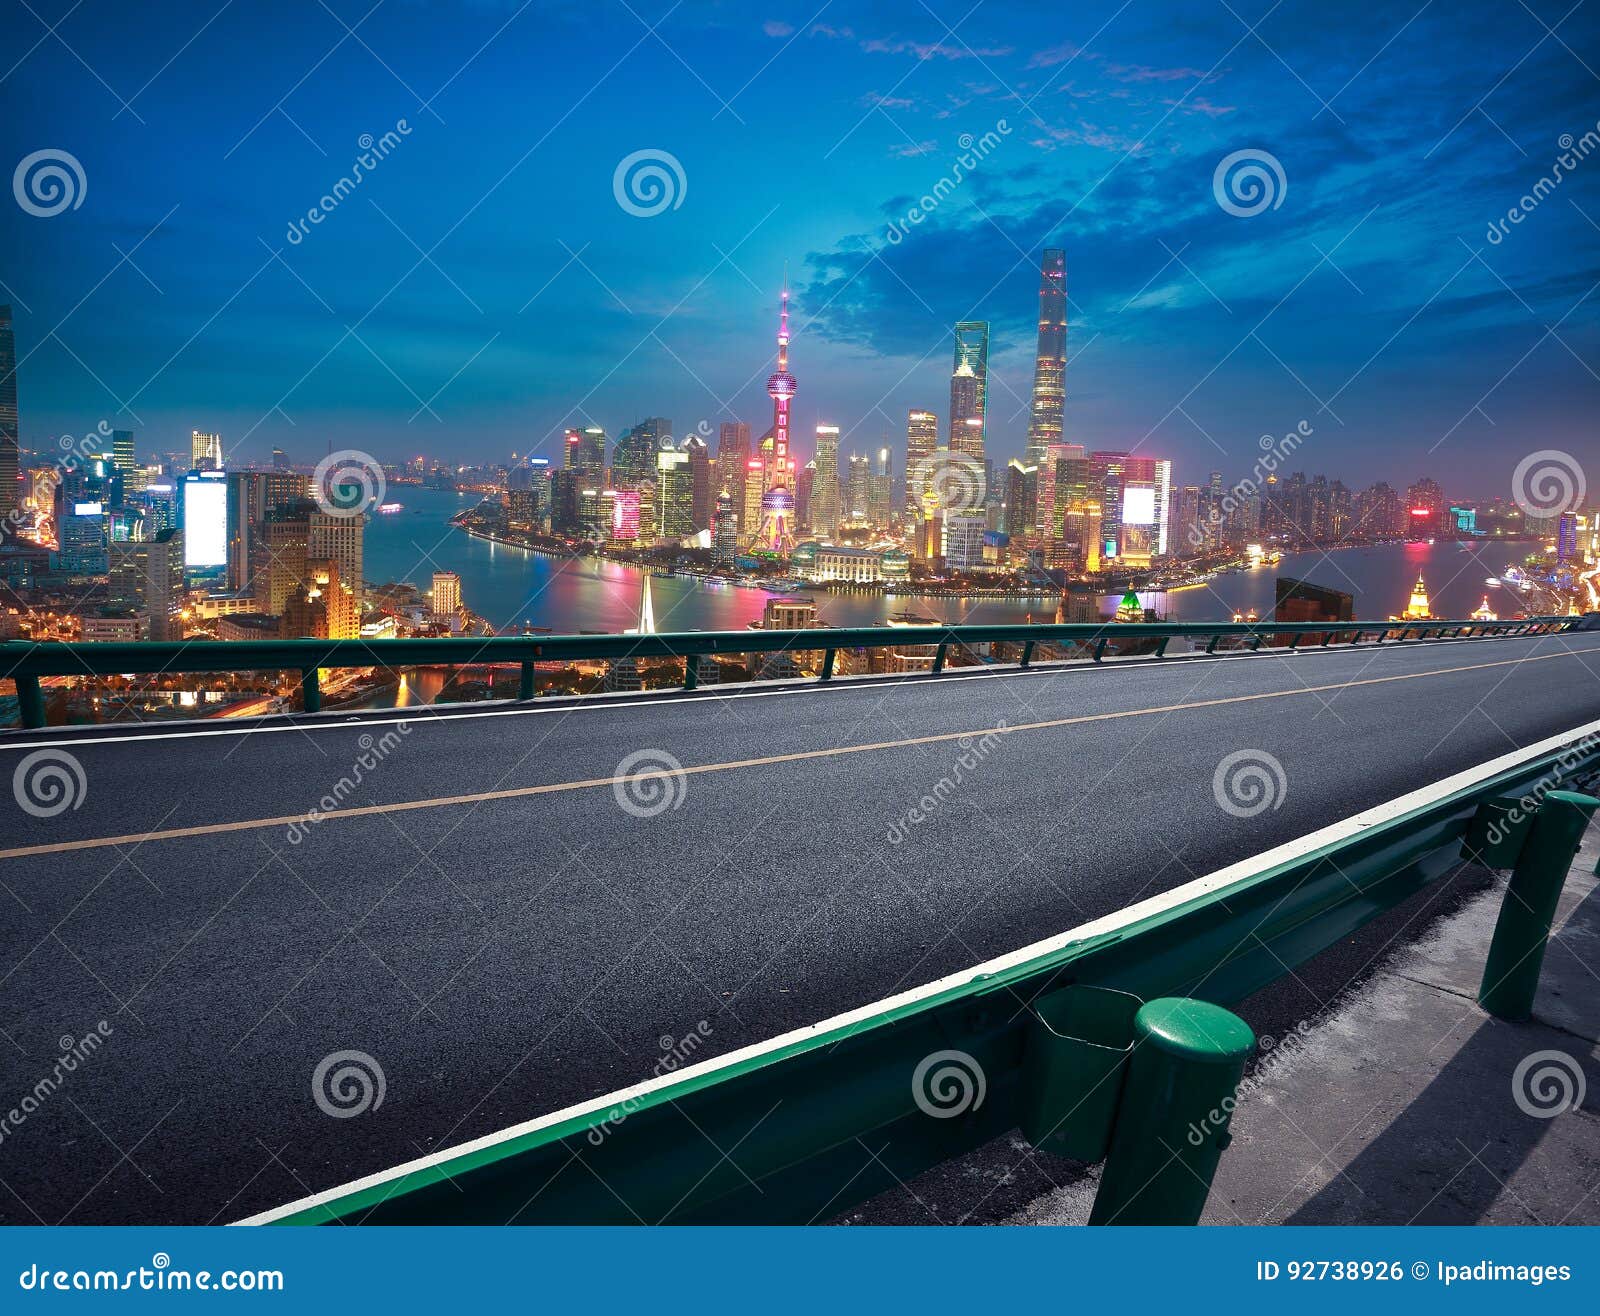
pixel 479 320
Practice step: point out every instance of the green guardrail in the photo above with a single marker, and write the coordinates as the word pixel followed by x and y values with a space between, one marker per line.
pixel 25 663
pixel 1078 1044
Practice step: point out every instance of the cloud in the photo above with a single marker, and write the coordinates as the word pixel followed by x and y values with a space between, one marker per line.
pixel 928 50
pixel 776 27
pixel 908 150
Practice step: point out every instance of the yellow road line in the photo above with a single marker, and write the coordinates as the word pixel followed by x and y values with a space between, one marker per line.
pixel 552 788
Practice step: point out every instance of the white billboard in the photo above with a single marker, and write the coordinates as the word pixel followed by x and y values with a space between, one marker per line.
pixel 205 522
pixel 1139 505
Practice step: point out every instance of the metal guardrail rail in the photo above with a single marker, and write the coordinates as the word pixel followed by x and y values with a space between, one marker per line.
pixel 25 663
pixel 810 1124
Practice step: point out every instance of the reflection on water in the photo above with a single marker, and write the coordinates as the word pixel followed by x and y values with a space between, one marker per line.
pixel 510 586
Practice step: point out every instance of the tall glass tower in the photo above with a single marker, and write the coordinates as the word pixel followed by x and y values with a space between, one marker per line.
pixel 969 375
pixel 1050 367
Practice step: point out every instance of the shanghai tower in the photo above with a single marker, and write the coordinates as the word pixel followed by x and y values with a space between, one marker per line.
pixel 1050 368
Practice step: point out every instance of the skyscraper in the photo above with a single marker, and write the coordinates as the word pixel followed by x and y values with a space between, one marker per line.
pixel 147 576
pixel 586 455
pixel 733 451
pixel 1050 365
pixel 10 492
pixel 777 502
pixel 922 441
pixel 825 510
pixel 205 451
pixel 634 460
pixel 122 452
pixel 972 351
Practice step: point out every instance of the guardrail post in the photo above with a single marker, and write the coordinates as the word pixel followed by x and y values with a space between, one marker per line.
pixel 30 696
pixel 1161 646
pixel 525 681
pixel 310 690
pixel 1027 653
pixel 827 664
pixel 1511 973
pixel 1172 1124
pixel 938 659
pixel 691 670
pixel 1212 646
pixel 1100 649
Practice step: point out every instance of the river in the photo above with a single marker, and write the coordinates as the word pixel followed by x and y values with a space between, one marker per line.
pixel 509 586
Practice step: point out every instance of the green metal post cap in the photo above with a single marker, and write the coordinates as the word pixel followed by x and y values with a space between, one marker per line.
pixel 1574 797
pixel 1193 1030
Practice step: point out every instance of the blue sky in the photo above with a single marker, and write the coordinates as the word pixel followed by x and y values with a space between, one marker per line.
pixel 481 287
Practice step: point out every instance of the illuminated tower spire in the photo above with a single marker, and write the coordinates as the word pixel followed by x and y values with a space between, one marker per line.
pixel 777 504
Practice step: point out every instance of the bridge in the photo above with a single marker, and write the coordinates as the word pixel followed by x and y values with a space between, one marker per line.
pixel 608 957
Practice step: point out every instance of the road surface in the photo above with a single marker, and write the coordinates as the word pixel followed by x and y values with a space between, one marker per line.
pixel 505 929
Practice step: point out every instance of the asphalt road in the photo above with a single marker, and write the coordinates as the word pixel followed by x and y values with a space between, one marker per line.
pixel 506 955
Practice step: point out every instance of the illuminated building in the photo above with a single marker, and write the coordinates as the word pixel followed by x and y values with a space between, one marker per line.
pixel 972 353
pixel 750 519
pixel 922 440
pixel 777 502
pixel 10 452
pixel 634 459
pixel 733 455
pixel 674 494
pixel 825 509
pixel 966 418
pixel 1417 608
pixel 1130 609
pixel 1483 612
pixel 858 492
pixel 1022 497
pixel 205 451
pixel 1050 364
pixel 146 576
pixel 625 523
pixel 963 539
pixel 725 530
pixel 81 537
pixel 253 496
pixel 204 513
pixel 1566 536
pixel 586 456
pixel 340 539
pixel 880 494
pixel 838 562
pixel 122 453
pixel 445 600
pixel 528 494
pixel 1428 509
pixel 323 607
pixel 700 497
pixel 284 537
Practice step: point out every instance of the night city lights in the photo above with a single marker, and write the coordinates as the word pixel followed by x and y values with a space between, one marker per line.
pixel 841 621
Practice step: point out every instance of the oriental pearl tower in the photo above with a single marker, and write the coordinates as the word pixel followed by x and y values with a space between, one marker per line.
pixel 777 503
